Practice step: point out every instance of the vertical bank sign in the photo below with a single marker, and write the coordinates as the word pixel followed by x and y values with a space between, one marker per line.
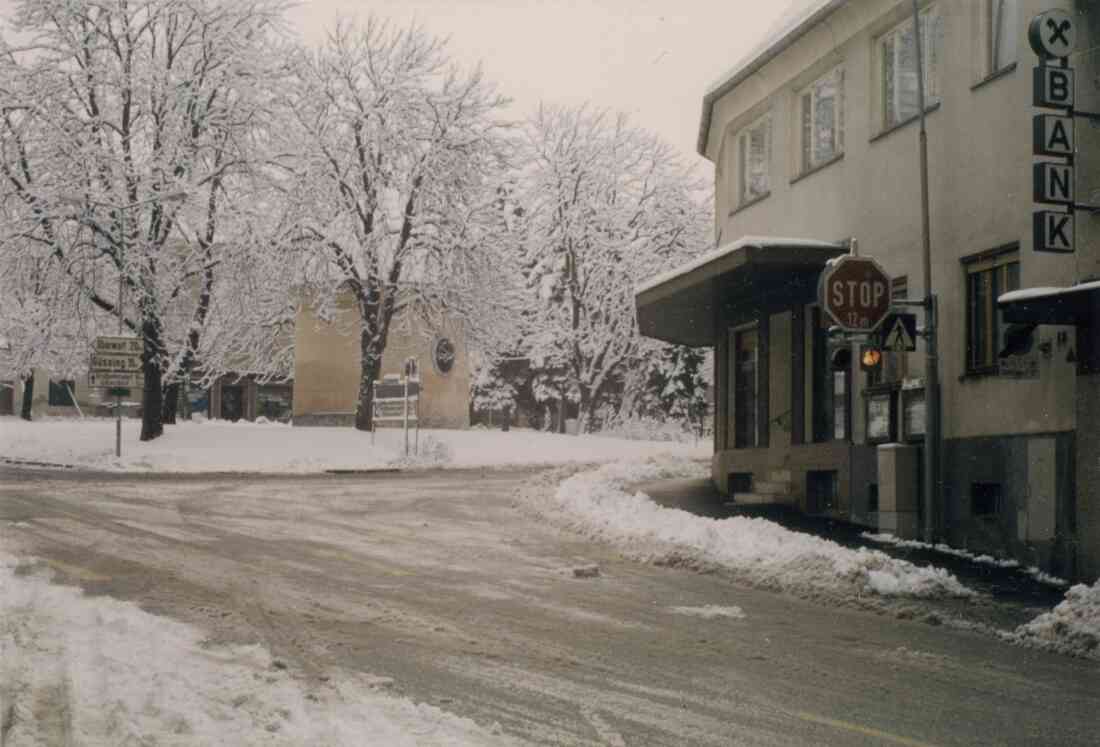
pixel 1052 36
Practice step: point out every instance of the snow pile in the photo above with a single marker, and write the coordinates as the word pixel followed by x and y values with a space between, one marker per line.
pixel 1073 627
pixel 1033 571
pixel 222 446
pixel 597 504
pixel 79 670
pixel 711 611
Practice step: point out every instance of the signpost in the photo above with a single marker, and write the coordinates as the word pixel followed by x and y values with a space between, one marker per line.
pixel 855 292
pixel 397 399
pixel 116 365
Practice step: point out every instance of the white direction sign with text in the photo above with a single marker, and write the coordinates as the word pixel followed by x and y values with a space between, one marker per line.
pixel 116 363
pixel 115 379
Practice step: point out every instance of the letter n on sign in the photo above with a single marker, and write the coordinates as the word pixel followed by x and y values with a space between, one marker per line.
pixel 1053 232
pixel 1053 183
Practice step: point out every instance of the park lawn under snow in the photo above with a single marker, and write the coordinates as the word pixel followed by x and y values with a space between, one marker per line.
pixel 600 504
pixel 95 671
pixel 221 446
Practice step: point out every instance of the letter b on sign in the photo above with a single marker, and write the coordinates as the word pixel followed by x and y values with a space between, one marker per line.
pixel 1053 87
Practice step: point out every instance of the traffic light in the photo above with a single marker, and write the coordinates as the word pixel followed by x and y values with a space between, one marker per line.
pixel 870 358
pixel 842 358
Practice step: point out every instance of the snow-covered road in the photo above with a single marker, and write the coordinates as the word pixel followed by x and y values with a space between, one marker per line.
pixel 440 588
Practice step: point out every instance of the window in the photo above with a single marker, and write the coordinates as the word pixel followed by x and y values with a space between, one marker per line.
pixel 898 55
pixel 1001 17
pixel 986 279
pixel 985 498
pixel 60 393
pixel 754 152
pixel 822 120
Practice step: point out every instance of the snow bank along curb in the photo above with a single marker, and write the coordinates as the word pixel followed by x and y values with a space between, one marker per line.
pixel 596 503
pixel 1033 571
pixel 109 673
pixel 1073 627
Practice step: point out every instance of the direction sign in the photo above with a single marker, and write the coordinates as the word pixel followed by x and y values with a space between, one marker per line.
pixel 118 345
pixel 1052 34
pixel 120 363
pixel 855 291
pixel 115 379
pixel 899 333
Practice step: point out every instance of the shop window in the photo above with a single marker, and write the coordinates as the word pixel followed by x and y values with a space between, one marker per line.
pixel 821 109
pixel 1001 19
pixel 740 482
pixel 831 386
pixel 987 278
pixel 273 402
pixel 985 498
pixel 754 152
pixel 897 53
pixel 60 393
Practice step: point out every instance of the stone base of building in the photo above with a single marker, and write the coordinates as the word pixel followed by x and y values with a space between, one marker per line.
pixel 327 419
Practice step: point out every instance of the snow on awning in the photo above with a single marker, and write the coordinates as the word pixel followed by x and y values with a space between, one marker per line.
pixel 680 306
pixel 1076 304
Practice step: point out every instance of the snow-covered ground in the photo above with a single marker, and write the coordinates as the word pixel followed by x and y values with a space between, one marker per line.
pixel 95 671
pixel 599 504
pixel 217 446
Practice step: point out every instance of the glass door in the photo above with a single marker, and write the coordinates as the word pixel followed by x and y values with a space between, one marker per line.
pixel 745 431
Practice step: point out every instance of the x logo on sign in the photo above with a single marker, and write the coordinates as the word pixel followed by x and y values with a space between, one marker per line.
pixel 1059 31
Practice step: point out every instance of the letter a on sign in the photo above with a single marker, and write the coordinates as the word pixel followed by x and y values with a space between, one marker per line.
pixel 1053 232
pixel 1052 135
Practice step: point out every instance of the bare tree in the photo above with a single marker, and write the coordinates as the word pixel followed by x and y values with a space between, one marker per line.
pixel 129 119
pixel 399 156
pixel 609 204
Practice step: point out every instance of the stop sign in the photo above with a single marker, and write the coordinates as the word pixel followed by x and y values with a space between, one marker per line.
pixel 856 293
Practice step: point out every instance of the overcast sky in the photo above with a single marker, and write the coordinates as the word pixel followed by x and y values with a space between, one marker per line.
pixel 650 58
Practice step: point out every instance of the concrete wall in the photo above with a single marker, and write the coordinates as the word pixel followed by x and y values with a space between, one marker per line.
pixel 326 367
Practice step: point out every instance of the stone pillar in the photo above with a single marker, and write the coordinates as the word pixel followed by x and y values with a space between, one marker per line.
pixel 898 493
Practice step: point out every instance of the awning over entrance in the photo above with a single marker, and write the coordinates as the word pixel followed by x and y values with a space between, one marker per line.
pixel 1077 304
pixel 754 273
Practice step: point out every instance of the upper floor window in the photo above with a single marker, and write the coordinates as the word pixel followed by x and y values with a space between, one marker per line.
pixel 821 108
pixel 897 52
pixel 986 279
pixel 754 154
pixel 1002 17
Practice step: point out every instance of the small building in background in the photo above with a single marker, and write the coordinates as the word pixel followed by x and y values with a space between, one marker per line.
pixel 327 365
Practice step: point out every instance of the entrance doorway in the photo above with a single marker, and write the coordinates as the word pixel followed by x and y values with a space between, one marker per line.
pixel 745 389
pixel 232 402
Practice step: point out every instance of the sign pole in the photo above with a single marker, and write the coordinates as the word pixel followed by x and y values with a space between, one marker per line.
pixel 121 275
pixel 931 360
pixel 406 415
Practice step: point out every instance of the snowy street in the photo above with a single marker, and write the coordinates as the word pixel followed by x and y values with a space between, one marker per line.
pixel 320 609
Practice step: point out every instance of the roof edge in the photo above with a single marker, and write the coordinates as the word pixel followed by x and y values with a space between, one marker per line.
pixel 754 62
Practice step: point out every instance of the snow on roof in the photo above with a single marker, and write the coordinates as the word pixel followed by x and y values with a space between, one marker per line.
pixel 1032 294
pixel 725 249
pixel 799 17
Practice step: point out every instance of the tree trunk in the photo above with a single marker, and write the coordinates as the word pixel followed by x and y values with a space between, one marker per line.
pixel 561 414
pixel 370 363
pixel 152 404
pixel 28 397
pixel 185 399
pixel 171 403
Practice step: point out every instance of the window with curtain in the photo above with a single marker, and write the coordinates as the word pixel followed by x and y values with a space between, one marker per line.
pixel 986 279
pixel 821 110
pixel 754 147
pixel 897 51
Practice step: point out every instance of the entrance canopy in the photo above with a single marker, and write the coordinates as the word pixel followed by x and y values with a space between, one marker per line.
pixel 1076 304
pixel 754 273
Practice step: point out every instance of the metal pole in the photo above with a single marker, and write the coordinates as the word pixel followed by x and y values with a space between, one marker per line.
pixel 121 267
pixel 931 360
pixel 406 413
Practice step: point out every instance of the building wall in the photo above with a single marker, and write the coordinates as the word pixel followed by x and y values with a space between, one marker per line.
pixel 1017 432
pixel 326 368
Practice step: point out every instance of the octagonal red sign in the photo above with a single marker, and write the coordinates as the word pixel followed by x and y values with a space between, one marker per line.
pixel 855 291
